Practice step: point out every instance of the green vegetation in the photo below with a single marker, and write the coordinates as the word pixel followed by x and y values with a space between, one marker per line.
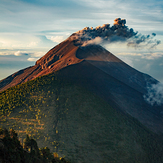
pixel 11 151
pixel 25 107
pixel 75 123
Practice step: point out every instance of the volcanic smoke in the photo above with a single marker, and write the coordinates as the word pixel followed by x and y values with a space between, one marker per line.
pixel 119 32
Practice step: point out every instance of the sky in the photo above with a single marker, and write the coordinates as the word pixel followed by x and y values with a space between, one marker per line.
pixel 30 28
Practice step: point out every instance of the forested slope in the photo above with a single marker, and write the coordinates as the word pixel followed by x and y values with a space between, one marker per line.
pixel 76 123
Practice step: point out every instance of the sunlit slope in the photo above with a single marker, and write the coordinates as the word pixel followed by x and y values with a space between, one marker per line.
pixel 62 55
pixel 76 123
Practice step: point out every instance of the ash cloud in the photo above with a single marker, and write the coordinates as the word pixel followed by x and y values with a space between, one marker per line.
pixel 119 32
pixel 154 95
pixel 141 41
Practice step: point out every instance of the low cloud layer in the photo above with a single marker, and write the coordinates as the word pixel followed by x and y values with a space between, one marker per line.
pixel 24 55
pixel 155 94
pixel 145 55
pixel 16 53
pixel 119 32
pixel 57 39
pixel 20 53
pixel 32 59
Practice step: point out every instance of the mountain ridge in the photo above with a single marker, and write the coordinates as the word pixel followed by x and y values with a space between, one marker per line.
pixel 62 55
pixel 96 68
pixel 44 65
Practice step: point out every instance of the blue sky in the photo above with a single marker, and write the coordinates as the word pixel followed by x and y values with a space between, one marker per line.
pixel 29 28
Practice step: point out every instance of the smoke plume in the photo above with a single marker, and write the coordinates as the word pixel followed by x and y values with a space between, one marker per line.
pixel 141 41
pixel 119 32
pixel 155 94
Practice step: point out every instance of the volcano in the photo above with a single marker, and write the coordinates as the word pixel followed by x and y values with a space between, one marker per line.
pixel 100 71
pixel 86 131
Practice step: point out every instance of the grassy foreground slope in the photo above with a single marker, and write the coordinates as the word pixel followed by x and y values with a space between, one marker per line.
pixel 76 123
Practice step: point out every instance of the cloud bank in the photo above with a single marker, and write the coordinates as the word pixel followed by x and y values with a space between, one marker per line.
pixel 57 39
pixel 119 32
pixel 32 59
pixel 155 94
pixel 144 55
pixel 20 53
pixel 16 53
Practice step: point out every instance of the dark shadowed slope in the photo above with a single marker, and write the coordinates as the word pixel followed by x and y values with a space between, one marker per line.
pixel 113 66
pixel 117 93
pixel 77 124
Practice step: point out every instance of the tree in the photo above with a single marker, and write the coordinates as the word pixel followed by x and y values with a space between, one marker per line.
pixel 11 150
pixel 47 155
pixel 32 144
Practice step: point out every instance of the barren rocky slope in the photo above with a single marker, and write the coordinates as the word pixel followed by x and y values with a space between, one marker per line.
pixel 60 56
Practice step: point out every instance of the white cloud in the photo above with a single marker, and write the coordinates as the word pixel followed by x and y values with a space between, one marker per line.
pixel 152 56
pixel 6 53
pixel 97 4
pixel 18 40
pixel 145 55
pixel 97 40
pixel 37 54
pixel 32 44
pixel 16 53
pixel 20 53
pixel 57 39
pixel 32 59
pixel 155 94
pixel 129 54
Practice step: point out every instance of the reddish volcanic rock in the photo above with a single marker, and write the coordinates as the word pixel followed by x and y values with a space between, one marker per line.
pixel 57 58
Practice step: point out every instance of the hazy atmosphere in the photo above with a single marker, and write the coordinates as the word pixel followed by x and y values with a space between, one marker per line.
pixel 30 28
